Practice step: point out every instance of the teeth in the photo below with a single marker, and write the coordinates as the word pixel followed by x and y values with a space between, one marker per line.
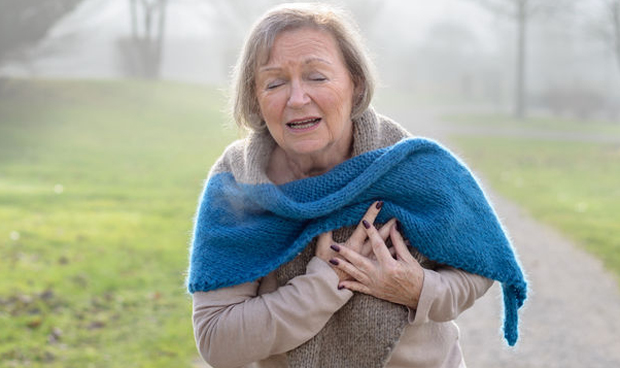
pixel 304 123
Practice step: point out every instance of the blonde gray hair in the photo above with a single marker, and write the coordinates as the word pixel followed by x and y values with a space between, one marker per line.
pixel 287 17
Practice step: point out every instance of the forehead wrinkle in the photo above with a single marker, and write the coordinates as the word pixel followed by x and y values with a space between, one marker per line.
pixel 314 47
pixel 268 68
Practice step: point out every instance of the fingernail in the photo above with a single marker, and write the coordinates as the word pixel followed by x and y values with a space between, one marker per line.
pixel 399 227
pixel 340 287
pixel 335 247
pixel 334 261
pixel 366 224
pixel 379 205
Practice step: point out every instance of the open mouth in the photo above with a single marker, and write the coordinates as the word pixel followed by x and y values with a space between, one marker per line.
pixel 303 124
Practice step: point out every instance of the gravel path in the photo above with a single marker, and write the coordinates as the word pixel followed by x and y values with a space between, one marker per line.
pixel 572 315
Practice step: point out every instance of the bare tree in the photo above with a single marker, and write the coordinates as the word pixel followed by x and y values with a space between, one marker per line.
pixel 141 53
pixel 612 8
pixel 604 26
pixel 24 23
pixel 522 12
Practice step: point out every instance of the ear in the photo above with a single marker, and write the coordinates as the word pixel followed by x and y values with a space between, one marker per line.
pixel 358 92
pixel 257 112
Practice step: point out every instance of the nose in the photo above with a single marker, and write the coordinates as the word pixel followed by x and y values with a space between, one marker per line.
pixel 298 96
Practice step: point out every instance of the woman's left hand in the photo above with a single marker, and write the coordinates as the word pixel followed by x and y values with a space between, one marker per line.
pixel 398 280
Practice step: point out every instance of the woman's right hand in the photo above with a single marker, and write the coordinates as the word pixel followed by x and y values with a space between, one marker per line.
pixel 358 241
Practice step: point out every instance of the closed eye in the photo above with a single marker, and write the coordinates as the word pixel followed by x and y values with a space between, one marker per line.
pixel 274 84
pixel 317 77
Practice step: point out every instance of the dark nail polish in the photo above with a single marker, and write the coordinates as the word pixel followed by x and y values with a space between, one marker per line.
pixel 335 247
pixel 334 261
pixel 340 287
pixel 366 224
pixel 379 205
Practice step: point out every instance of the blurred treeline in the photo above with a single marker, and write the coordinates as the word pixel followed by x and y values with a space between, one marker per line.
pixel 559 57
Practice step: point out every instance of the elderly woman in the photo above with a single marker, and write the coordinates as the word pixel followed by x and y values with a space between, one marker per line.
pixel 329 237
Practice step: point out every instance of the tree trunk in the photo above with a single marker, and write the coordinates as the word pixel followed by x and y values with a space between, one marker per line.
pixel 133 8
pixel 520 107
pixel 143 53
pixel 160 35
pixel 148 57
pixel 615 14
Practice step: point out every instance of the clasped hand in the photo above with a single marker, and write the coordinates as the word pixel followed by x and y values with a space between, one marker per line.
pixel 364 263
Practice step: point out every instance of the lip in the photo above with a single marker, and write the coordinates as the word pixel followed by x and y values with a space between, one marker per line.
pixel 304 129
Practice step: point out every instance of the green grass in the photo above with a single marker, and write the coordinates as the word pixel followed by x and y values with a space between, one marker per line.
pixel 571 185
pixel 98 187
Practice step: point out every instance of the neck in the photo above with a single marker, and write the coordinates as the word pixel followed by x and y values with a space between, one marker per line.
pixel 285 167
pixel 313 165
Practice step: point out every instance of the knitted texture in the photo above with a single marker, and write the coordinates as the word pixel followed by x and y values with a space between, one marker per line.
pixel 246 226
pixel 363 333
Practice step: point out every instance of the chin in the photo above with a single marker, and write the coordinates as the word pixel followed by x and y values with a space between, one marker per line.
pixel 307 147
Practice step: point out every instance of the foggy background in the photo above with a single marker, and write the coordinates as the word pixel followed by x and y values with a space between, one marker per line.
pixel 445 51
pixel 99 180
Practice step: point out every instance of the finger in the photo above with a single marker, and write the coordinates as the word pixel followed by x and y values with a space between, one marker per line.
pixel 384 232
pixel 378 245
pixel 323 242
pixel 399 244
pixel 359 235
pixel 357 260
pixel 392 253
pixel 333 263
pixel 354 286
pixel 349 269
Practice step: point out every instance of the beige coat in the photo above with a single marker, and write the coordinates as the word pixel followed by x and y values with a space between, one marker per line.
pixel 255 324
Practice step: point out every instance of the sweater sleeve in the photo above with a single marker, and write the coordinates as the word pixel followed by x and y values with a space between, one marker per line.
pixel 446 293
pixel 235 326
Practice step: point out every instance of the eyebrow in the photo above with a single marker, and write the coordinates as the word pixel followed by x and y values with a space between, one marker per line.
pixel 307 61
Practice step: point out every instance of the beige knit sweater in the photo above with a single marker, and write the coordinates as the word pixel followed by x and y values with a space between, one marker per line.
pixel 255 324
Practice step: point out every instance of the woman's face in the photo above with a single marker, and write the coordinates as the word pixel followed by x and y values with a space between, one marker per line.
pixel 305 92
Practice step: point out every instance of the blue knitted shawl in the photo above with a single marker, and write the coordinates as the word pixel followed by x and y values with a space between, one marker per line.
pixel 243 231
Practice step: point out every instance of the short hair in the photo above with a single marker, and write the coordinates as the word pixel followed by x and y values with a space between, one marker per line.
pixel 287 17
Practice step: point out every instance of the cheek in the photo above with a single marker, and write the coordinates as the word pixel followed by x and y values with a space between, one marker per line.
pixel 339 99
pixel 271 106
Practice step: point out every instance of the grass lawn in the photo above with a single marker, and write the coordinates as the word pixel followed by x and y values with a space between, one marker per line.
pixel 574 186
pixel 98 186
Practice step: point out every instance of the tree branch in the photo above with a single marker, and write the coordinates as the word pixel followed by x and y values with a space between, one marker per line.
pixel 505 8
pixel 615 15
